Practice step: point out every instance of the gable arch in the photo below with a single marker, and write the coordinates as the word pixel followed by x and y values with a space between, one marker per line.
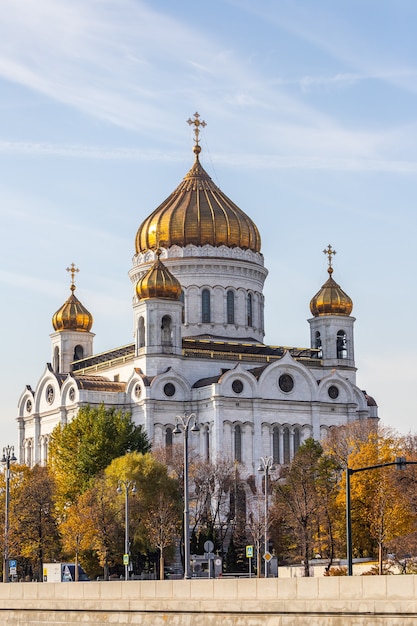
pixel 304 387
pixel 161 389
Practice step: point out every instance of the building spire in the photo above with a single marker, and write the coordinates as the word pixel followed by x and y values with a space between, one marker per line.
pixel 330 253
pixel 73 270
pixel 196 122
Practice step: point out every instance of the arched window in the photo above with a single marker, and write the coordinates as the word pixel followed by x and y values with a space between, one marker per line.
pixel 286 438
pixel 56 359
pixel 275 444
pixel 205 306
pixel 78 353
pixel 141 330
pixel 296 439
pixel 166 331
pixel 230 307
pixel 182 300
pixel 318 345
pixel 249 305
pixel 341 345
pixel 238 444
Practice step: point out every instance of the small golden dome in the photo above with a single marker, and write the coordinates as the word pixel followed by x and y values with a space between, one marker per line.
pixel 198 213
pixel 72 315
pixel 158 282
pixel 330 299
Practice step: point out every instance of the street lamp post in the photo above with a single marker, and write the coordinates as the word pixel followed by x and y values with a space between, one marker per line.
pixel 183 422
pixel 8 457
pixel 400 462
pixel 129 485
pixel 267 464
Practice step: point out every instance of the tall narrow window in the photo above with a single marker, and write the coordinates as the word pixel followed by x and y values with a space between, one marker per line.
pixel 168 442
pixel 341 345
pixel 141 331
pixel 230 307
pixel 205 306
pixel 275 445
pixel 56 359
pixel 182 300
pixel 286 438
pixel 296 439
pixel 238 444
pixel 207 437
pixel 318 345
pixel 29 453
pixel 166 331
pixel 249 305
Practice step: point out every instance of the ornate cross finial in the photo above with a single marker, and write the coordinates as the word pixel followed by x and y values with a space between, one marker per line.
pixel 196 122
pixel 73 270
pixel 330 253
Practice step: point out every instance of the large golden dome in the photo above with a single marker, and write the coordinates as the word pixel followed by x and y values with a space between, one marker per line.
pixel 331 299
pixel 198 213
pixel 158 282
pixel 72 315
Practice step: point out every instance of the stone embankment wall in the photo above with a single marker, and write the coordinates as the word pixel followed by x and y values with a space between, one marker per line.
pixel 338 601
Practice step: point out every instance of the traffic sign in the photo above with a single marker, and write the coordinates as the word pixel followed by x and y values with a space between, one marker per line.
pixel 125 559
pixel 249 552
pixel 267 556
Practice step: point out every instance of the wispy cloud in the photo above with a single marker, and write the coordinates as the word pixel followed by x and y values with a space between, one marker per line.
pixel 248 160
pixel 136 67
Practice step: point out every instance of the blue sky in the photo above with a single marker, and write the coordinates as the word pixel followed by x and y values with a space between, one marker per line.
pixel 311 111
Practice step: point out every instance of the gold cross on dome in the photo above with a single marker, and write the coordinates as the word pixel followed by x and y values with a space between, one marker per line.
pixel 196 122
pixel 73 270
pixel 330 252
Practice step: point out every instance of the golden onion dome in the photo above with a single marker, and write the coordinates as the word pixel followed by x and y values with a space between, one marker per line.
pixel 198 213
pixel 330 299
pixel 158 282
pixel 72 315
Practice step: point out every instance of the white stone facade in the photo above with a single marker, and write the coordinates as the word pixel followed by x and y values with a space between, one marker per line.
pixel 204 354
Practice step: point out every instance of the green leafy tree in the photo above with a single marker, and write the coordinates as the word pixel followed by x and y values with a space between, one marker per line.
pixel 85 446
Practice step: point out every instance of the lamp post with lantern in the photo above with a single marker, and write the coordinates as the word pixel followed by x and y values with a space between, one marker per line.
pixel 182 424
pixel 266 465
pixel 129 485
pixel 8 457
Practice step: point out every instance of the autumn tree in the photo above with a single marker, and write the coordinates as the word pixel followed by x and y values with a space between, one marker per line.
pixel 211 484
pixel 162 523
pixel 152 484
pixel 297 497
pixel 85 446
pixel 380 510
pixel 78 531
pixel 34 532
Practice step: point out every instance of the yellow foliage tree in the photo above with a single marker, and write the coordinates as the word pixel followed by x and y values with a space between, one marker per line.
pixel 379 508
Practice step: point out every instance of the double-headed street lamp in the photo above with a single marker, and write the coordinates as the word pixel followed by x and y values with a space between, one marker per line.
pixel 267 464
pixel 8 457
pixel 182 423
pixel 129 485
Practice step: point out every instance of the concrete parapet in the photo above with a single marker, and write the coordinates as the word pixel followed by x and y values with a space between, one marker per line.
pixel 337 601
